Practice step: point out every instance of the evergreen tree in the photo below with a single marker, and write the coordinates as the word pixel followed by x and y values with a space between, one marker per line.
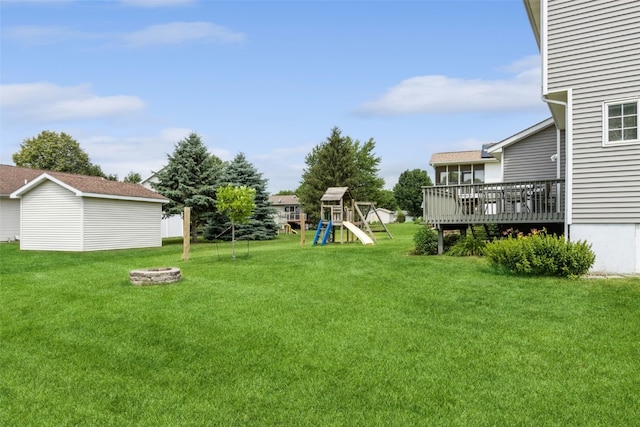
pixel 408 190
pixel 190 179
pixel 340 162
pixel 261 225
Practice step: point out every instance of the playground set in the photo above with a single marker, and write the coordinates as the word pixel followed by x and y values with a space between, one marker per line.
pixel 338 212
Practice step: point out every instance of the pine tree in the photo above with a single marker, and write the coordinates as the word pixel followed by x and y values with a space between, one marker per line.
pixel 340 162
pixel 190 179
pixel 261 225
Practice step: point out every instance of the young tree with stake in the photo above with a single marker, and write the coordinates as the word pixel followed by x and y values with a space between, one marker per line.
pixel 238 203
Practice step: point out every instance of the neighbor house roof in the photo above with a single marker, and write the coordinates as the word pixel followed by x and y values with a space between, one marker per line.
pixel 280 200
pixel 459 157
pixel 16 181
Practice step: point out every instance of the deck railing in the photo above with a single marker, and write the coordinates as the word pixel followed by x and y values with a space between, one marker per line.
pixel 288 217
pixel 504 202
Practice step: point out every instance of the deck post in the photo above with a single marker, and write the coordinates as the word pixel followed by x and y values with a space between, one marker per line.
pixel 440 241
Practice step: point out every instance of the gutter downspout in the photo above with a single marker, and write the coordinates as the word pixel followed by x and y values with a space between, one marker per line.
pixel 559 158
pixel 568 135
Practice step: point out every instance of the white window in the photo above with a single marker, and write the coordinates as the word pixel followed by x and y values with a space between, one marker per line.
pixel 620 122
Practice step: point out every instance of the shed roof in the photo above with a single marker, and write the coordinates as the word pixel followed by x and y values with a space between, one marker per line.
pixel 14 177
pixel 16 181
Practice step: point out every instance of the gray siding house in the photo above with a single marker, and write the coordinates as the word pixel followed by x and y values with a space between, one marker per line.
pixel 517 182
pixel 535 153
pixel 68 212
pixel 590 52
pixel 591 81
pixel 287 210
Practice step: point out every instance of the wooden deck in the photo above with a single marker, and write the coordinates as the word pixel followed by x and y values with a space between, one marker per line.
pixel 531 202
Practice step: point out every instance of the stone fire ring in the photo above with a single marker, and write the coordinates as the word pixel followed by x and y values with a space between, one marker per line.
pixel 155 276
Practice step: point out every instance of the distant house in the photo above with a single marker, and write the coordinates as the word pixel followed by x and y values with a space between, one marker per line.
pixel 171 225
pixel 536 153
pixel 517 182
pixel 381 215
pixel 465 167
pixel 287 209
pixel 580 168
pixel 68 212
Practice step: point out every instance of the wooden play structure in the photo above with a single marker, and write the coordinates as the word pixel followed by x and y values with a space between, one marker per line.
pixel 338 212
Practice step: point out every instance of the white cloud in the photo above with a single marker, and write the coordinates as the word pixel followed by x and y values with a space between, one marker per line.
pixel 172 33
pixel 528 63
pixel 174 134
pixel 156 3
pixel 47 35
pixel 180 32
pixel 469 144
pixel 437 94
pixel 141 154
pixel 46 102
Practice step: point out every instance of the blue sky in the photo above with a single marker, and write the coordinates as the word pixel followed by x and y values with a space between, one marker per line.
pixel 130 78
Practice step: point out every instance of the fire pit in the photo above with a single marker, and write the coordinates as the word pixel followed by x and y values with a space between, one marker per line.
pixel 155 276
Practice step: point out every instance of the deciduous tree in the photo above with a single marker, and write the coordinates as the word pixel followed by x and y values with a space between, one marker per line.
pixel 408 190
pixel 387 200
pixel 133 177
pixel 55 152
pixel 238 203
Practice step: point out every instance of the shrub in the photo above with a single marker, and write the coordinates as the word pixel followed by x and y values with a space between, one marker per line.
pixel 450 239
pixel 540 254
pixel 468 246
pixel 426 241
pixel 401 217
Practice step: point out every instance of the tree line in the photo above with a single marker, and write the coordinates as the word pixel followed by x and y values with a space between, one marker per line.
pixel 193 175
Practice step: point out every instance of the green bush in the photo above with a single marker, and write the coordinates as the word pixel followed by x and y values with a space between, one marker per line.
pixel 540 254
pixel 426 241
pixel 468 246
pixel 451 239
pixel 401 217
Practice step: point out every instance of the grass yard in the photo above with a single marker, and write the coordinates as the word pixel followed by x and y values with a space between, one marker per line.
pixel 347 335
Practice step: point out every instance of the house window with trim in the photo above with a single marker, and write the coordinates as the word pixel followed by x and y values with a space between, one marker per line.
pixel 621 122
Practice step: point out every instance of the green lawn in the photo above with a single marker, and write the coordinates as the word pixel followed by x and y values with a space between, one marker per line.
pixel 334 335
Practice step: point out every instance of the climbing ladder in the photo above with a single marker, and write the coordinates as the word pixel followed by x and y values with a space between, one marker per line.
pixel 325 236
